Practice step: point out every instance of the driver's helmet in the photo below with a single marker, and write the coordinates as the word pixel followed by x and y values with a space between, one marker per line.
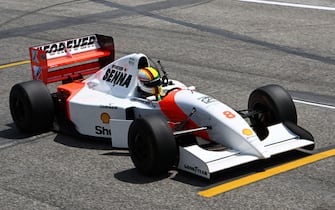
pixel 150 81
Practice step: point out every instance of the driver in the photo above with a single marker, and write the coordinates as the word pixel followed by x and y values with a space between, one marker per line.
pixel 150 82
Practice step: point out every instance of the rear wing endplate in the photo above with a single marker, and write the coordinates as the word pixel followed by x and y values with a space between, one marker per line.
pixel 70 59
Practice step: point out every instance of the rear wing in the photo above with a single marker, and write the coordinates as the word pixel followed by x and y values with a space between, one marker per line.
pixel 70 59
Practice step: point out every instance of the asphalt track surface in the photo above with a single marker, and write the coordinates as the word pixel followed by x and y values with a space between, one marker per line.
pixel 226 48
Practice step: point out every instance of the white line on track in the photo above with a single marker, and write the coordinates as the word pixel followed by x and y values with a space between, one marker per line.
pixel 290 4
pixel 314 104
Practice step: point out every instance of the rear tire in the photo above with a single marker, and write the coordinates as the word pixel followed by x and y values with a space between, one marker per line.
pixel 273 105
pixel 31 106
pixel 152 145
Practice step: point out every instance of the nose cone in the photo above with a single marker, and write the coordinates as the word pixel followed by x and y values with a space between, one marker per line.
pixel 257 148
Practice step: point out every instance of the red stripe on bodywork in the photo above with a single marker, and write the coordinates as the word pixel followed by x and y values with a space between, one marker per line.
pixel 171 109
pixel 176 115
pixel 71 89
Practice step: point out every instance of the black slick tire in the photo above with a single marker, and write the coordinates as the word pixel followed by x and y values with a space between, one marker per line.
pixel 31 106
pixel 152 145
pixel 273 104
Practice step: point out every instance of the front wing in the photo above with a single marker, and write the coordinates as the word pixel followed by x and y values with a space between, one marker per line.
pixel 202 162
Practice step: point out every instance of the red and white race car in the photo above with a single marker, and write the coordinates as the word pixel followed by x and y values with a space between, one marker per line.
pixel 183 128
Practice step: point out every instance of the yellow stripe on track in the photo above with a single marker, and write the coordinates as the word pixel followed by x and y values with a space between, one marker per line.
pixel 265 174
pixel 14 64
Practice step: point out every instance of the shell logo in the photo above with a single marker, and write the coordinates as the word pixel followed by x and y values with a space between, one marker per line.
pixel 247 132
pixel 105 118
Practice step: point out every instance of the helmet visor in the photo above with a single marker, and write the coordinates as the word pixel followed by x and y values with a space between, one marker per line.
pixel 153 83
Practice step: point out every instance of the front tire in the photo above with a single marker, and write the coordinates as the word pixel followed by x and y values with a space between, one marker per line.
pixel 152 145
pixel 31 106
pixel 272 104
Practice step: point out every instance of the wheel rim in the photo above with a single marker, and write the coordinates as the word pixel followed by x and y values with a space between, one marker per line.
pixel 141 148
pixel 19 111
pixel 265 115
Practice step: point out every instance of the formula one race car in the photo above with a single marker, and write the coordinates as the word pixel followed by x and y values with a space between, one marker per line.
pixel 169 125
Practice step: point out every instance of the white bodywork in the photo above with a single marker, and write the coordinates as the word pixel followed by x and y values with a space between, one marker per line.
pixel 100 107
pixel 199 161
pixel 107 104
pixel 228 128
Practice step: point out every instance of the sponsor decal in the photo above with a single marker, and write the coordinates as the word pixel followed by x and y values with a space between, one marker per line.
pixel 37 71
pixel 100 130
pixel 92 85
pixel 38 61
pixel 108 107
pixel 34 56
pixel 105 118
pixel 131 61
pixel 247 132
pixel 195 170
pixel 117 76
pixel 206 99
pixel 69 45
